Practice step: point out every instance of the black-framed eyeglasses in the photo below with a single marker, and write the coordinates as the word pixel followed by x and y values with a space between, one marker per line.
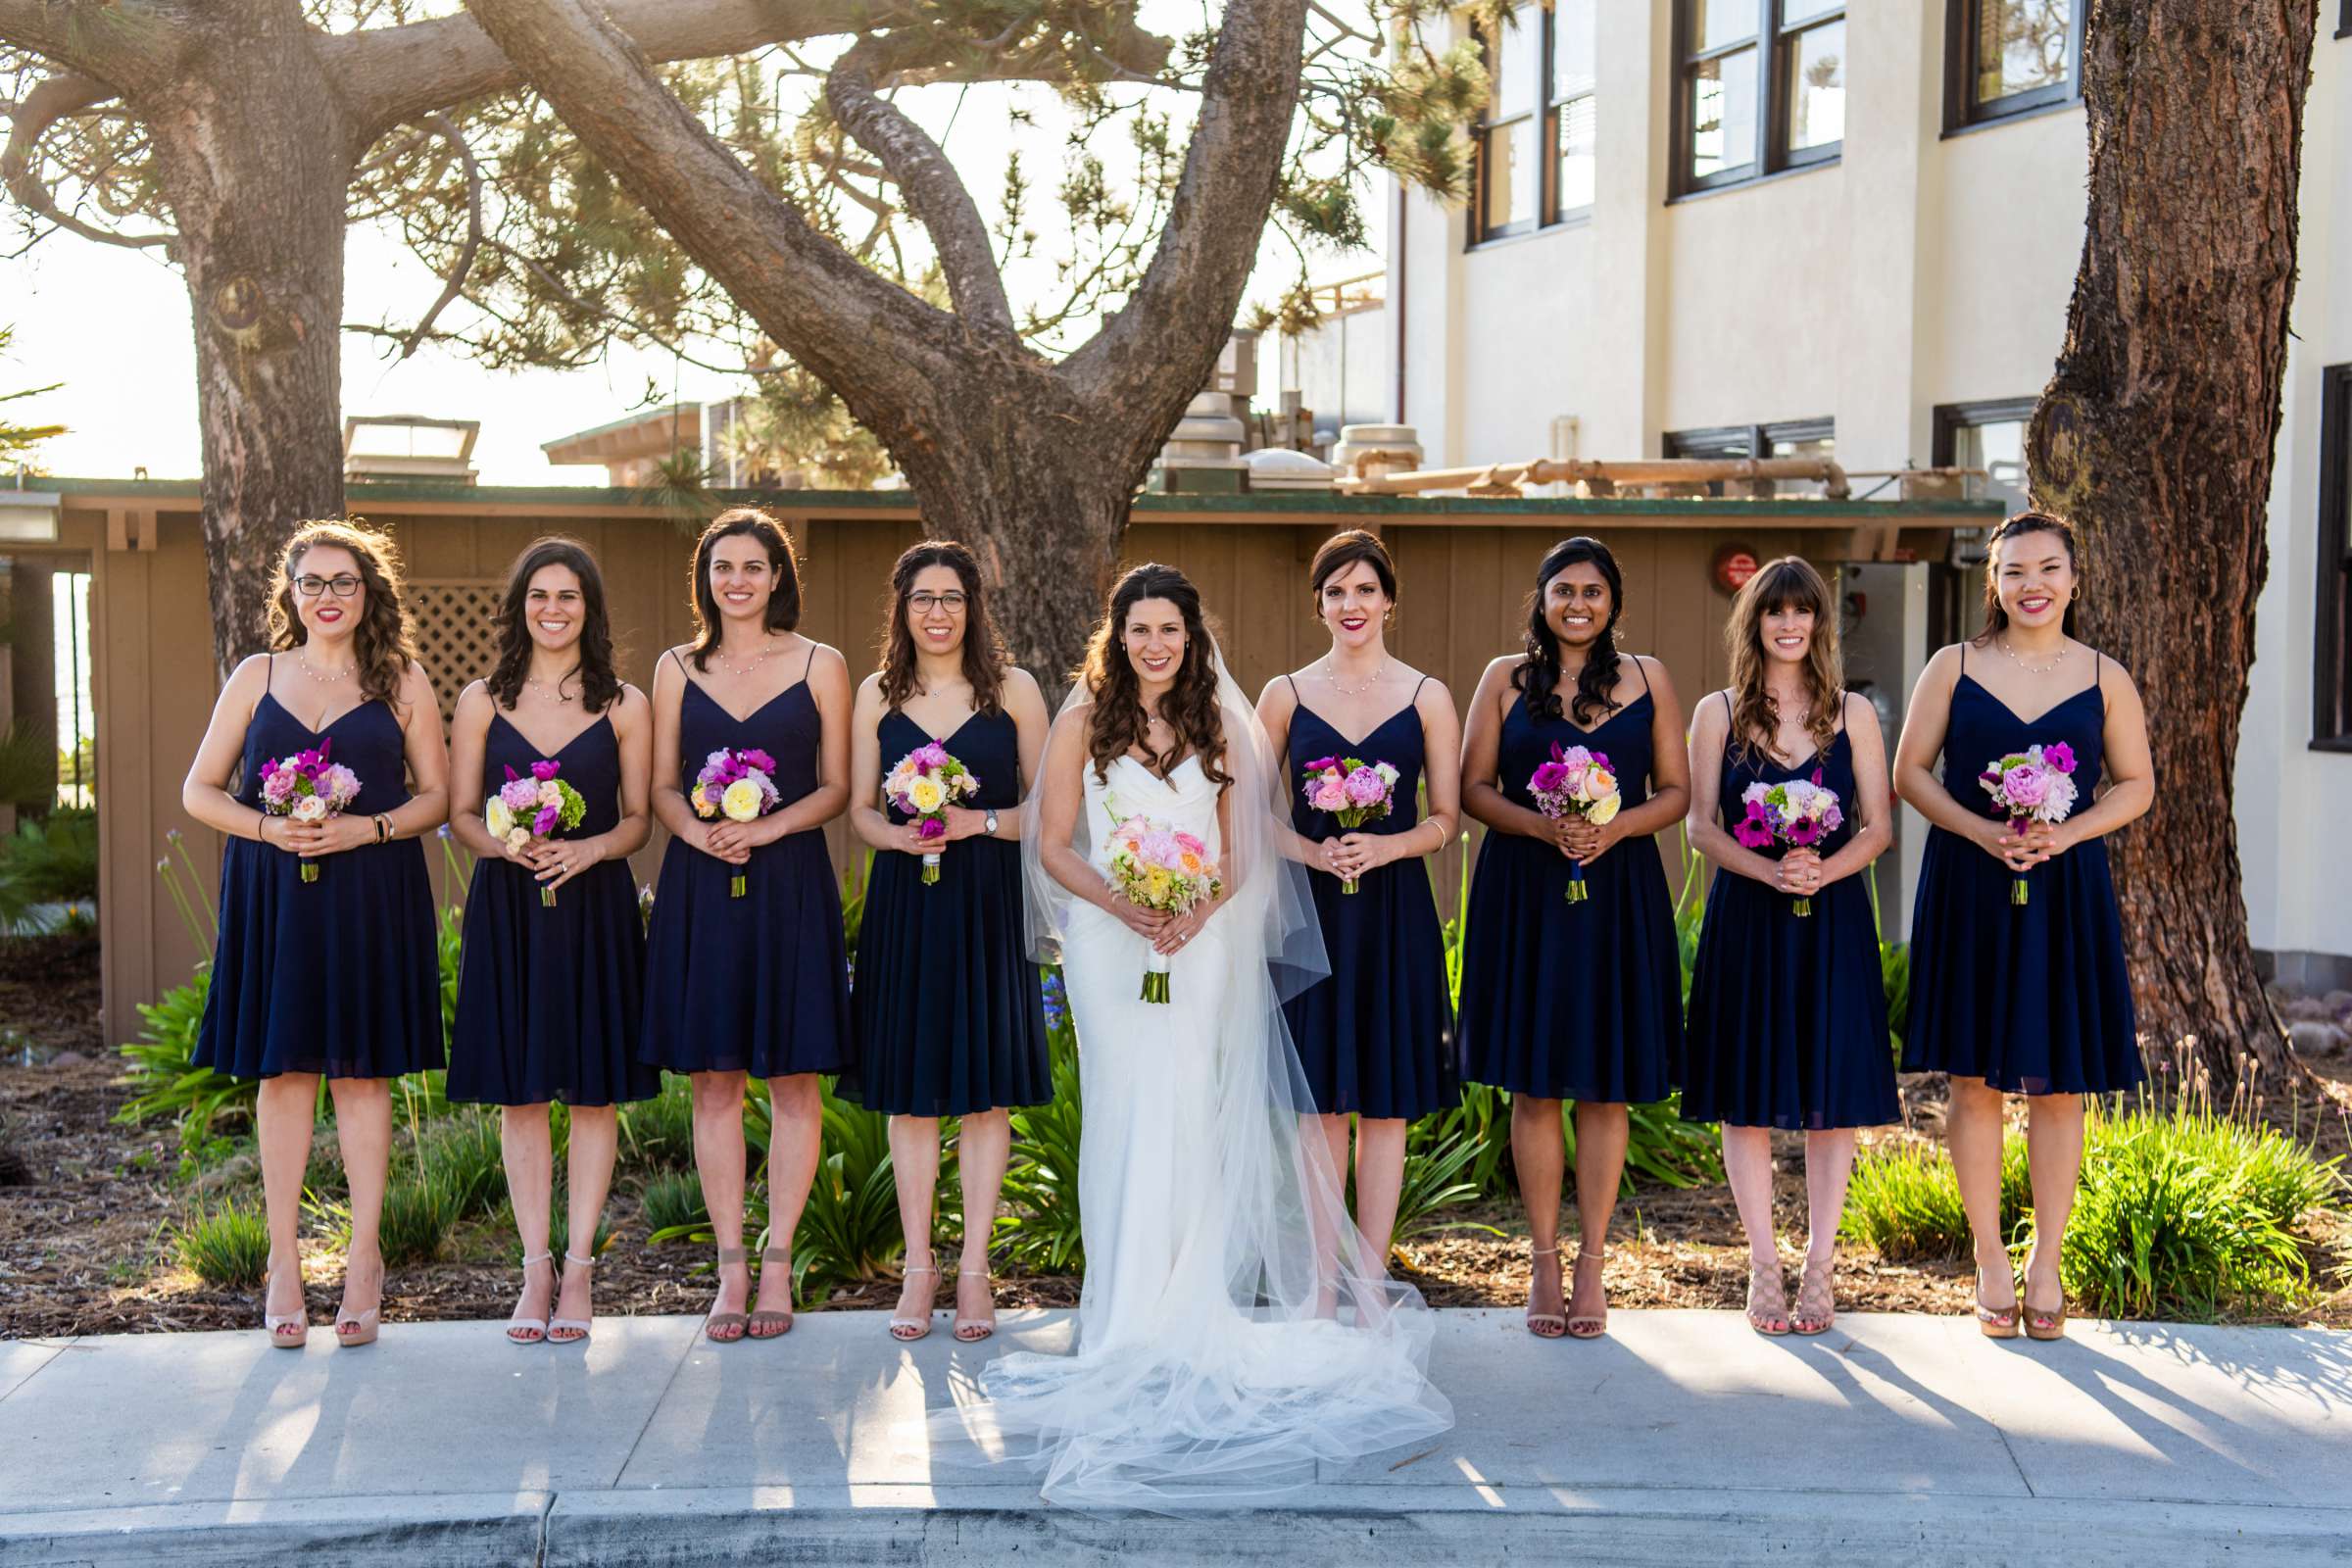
pixel 344 586
pixel 923 603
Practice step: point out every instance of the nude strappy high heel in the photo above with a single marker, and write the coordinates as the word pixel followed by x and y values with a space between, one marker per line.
pixel 1768 1316
pixel 725 1327
pixel 570 1330
pixel 907 1330
pixel 766 1323
pixel 973 1331
pixel 1587 1328
pixel 1816 1308
pixel 529 1330
pixel 1544 1325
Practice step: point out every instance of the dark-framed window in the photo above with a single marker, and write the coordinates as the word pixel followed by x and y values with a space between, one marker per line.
pixel 2004 58
pixel 1788 438
pixel 2331 659
pixel 1533 163
pixel 1759 88
pixel 2343 20
pixel 1988 435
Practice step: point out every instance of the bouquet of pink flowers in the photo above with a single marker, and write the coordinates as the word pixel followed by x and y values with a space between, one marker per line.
pixel 2034 785
pixel 1576 782
pixel 1351 790
pixel 1153 866
pixel 309 788
pixel 536 808
pixel 1798 812
pixel 738 785
pixel 925 782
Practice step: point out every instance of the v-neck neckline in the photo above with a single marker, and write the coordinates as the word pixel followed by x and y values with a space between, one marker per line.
pixel 2014 714
pixel 1356 743
pixel 755 712
pixel 579 735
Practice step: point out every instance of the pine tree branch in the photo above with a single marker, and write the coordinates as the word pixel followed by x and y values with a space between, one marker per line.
pixel 1159 350
pixel 935 193
pixel 131 43
pixel 391 75
pixel 455 283
pixel 54 99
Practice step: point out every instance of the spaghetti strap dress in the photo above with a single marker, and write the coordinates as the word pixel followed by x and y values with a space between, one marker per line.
pixel 550 998
pixel 758 984
pixel 2032 998
pixel 1375 1036
pixel 1572 1001
pixel 340 977
pixel 950 1015
pixel 1788 1013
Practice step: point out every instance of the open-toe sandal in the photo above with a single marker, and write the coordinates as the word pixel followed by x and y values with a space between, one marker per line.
pixel 1996 1322
pixel 1767 1299
pixel 290 1330
pixel 1544 1325
pixel 907 1330
pixel 725 1327
pixel 523 1330
pixel 1581 1326
pixel 570 1330
pixel 766 1323
pixel 1816 1299
pixel 971 1331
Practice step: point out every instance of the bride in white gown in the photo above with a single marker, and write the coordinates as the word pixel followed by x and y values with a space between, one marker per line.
pixel 1231 1332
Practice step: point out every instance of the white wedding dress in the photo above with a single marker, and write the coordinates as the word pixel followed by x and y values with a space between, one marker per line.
pixel 1231 1334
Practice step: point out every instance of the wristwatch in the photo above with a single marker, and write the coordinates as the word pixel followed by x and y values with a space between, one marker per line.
pixel 991 820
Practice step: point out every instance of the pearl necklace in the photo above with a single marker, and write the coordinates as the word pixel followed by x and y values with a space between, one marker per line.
pixel 2002 644
pixel 304 659
pixel 1332 675
pixel 746 671
pixel 557 690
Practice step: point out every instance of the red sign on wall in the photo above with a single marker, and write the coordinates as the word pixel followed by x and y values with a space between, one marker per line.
pixel 1734 565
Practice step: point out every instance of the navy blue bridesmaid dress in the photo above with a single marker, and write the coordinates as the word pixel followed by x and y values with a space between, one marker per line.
pixel 550 999
pixel 950 1015
pixel 2033 999
pixel 340 977
pixel 758 984
pixel 1788 1013
pixel 1375 1036
pixel 1572 1001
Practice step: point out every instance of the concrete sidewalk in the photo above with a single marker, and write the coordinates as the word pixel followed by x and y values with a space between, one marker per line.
pixel 1682 1440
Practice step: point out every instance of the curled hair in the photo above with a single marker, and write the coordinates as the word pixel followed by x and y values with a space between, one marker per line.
pixel 384 648
pixel 1995 617
pixel 1789 583
pixel 783 601
pixel 1343 550
pixel 984 656
pixel 1189 706
pixel 1539 680
pixel 600 687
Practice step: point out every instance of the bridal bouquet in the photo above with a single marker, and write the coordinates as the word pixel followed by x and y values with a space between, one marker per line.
pixel 738 785
pixel 1153 866
pixel 536 808
pixel 925 782
pixel 1797 812
pixel 1576 782
pixel 2035 785
pixel 1351 790
pixel 309 788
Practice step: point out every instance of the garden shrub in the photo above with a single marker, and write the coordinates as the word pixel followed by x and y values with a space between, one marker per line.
pixel 226 1245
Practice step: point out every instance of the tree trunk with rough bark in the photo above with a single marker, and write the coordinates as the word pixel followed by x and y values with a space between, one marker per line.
pixel 2155 437
pixel 251 149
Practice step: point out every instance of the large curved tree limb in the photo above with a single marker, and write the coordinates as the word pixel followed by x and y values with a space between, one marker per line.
pixel 131 43
pixel 808 294
pixel 52 101
pixel 1182 313
pixel 935 193
pixel 392 74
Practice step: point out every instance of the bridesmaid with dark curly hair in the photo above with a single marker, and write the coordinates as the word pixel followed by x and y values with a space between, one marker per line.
pixel 326 965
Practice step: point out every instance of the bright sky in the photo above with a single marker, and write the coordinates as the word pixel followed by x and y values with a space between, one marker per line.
pixel 113 327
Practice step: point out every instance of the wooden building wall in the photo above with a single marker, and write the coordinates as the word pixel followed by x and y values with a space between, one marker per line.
pixel 1463 585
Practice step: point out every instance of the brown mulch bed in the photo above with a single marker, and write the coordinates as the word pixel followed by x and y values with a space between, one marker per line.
pixel 83 1245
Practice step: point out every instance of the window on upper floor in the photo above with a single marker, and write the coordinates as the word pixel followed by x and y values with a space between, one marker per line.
pixel 1988 435
pixel 2010 57
pixel 1760 89
pixel 2332 661
pixel 1533 163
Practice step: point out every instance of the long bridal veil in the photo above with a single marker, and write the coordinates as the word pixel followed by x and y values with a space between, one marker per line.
pixel 1275 1341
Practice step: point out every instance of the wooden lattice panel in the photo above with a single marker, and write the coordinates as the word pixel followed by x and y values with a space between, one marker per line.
pixel 455 624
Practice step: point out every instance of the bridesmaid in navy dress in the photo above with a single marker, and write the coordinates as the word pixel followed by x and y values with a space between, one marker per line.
pixel 755 986
pixel 337 977
pixel 1788 1013
pixel 2029 998
pixel 550 998
pixel 1375 1036
pixel 1565 1000
pixel 950 1014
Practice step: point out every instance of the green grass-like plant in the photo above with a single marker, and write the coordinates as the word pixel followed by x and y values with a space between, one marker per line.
pixel 672 1204
pixel 420 1213
pixel 1905 1203
pixel 226 1246
pixel 463 1153
pixel 659 1132
pixel 1041 1223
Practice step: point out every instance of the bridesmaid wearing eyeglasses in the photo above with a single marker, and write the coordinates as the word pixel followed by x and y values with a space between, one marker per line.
pixel 326 965
pixel 949 1014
